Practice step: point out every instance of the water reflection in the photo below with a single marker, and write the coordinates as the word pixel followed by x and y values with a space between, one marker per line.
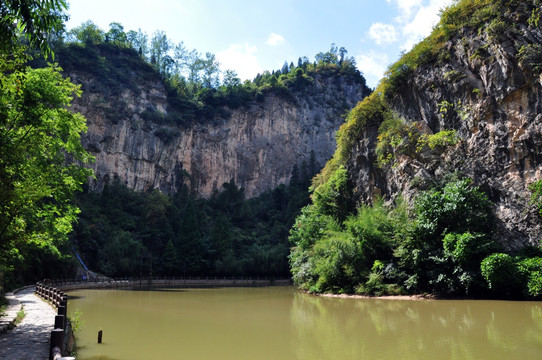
pixel 282 323
pixel 395 329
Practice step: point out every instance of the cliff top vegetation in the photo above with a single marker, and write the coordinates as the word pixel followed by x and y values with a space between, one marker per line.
pixel 198 90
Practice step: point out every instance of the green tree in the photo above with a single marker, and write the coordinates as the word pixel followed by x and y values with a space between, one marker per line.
pixel 116 34
pixel 87 33
pixel 40 155
pixel 503 275
pixel 211 71
pixel 33 19
pixel 231 79
pixel 121 256
pixel 170 259
pixel 329 57
pixel 138 40
pixel 451 230
pixel 160 46
pixel 536 195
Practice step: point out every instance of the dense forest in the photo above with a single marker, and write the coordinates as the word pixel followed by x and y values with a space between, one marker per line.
pixel 124 233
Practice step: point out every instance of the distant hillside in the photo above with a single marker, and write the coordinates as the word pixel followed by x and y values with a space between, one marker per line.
pixel 147 132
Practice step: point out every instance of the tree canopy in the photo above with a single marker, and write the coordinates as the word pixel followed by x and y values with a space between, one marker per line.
pixel 41 156
pixel 35 20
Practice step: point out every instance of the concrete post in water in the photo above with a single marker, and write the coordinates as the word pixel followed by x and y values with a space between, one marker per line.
pixel 100 333
pixel 57 341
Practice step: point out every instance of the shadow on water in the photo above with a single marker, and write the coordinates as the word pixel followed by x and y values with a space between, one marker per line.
pixel 187 287
pixel 160 289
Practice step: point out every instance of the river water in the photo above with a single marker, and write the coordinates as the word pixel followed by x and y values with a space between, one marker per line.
pixel 280 323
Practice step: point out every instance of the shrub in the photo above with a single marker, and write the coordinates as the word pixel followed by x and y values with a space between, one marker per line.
pixel 536 195
pixel 467 249
pixel 330 257
pixel 502 275
pixel 531 55
pixel 372 109
pixel 310 226
pixel 396 136
pixel 166 134
pixel 463 253
pixel 333 197
pixel 449 237
pixel 375 228
pixel 532 270
pixel 439 140
pixel 458 207
pixel 155 116
pixel 337 263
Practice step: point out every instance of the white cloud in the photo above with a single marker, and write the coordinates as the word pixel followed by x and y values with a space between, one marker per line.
pixel 383 33
pixel 406 8
pixel 242 59
pixel 414 21
pixel 422 22
pixel 274 40
pixel 373 66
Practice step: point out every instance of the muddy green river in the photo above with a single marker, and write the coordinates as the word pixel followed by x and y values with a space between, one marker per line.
pixel 281 323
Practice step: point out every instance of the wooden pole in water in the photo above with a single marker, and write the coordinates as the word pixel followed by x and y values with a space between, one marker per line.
pixel 100 336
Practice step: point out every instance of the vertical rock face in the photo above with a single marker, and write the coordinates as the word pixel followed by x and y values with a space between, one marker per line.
pixel 257 145
pixel 493 99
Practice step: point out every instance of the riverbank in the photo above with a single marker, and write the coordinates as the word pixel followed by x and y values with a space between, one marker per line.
pixel 384 297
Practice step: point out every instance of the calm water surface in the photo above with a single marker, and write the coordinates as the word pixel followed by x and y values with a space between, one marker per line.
pixel 281 323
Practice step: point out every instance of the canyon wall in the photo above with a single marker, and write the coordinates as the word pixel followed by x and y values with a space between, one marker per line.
pixel 256 144
pixel 489 90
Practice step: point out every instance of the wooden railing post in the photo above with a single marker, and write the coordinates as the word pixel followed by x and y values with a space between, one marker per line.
pixel 57 341
pixel 62 310
pixel 60 322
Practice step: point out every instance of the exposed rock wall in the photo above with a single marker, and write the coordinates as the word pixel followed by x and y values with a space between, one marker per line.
pixel 494 101
pixel 256 146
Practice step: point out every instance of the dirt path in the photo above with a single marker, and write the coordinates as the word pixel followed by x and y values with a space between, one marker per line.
pixel 30 339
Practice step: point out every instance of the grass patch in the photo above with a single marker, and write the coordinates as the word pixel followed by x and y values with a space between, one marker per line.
pixel 75 321
pixel 20 316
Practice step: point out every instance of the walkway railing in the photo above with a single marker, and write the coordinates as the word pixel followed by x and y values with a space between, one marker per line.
pixel 103 282
pixel 61 335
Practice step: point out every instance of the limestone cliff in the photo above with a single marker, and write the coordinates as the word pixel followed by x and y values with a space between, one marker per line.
pixel 485 83
pixel 256 144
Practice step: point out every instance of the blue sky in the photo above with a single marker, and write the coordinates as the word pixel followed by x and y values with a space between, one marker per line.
pixel 250 36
